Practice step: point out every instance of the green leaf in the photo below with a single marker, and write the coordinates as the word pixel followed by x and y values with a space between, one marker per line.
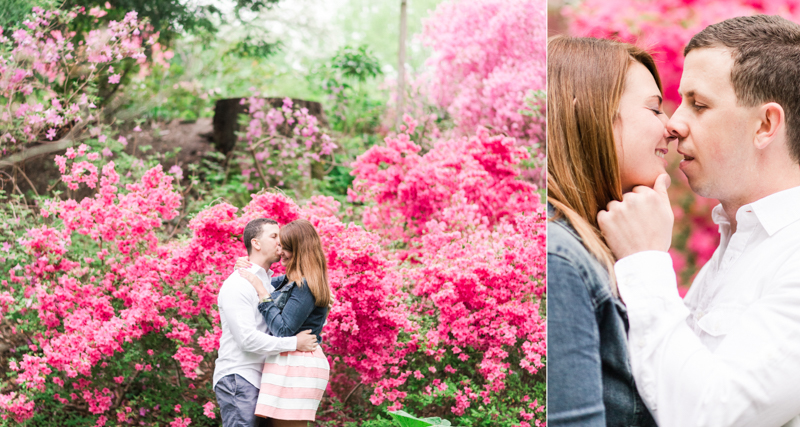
pixel 404 419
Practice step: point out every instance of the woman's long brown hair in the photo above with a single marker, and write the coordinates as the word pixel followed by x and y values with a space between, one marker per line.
pixel 585 81
pixel 308 260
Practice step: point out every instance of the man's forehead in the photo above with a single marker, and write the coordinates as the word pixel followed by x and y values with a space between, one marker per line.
pixel 271 229
pixel 706 71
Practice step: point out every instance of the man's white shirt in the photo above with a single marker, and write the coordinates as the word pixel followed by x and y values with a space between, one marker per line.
pixel 244 343
pixel 729 353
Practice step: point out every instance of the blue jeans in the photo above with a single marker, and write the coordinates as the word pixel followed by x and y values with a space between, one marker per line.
pixel 237 400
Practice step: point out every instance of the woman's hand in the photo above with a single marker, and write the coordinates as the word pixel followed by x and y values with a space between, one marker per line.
pixel 242 262
pixel 256 282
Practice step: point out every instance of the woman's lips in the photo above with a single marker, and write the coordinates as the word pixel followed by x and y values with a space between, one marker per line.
pixel 661 153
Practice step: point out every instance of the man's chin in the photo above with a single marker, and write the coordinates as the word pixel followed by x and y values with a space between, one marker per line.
pixel 698 187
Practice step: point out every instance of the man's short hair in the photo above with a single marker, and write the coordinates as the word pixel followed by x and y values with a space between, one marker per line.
pixel 253 231
pixel 766 64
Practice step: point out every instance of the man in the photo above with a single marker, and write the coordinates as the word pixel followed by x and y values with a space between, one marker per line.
pixel 244 342
pixel 729 354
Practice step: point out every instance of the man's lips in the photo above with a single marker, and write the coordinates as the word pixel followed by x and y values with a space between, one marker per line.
pixel 687 160
pixel 685 156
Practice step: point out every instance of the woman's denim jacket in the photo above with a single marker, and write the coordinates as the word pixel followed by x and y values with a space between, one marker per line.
pixel 589 379
pixel 299 314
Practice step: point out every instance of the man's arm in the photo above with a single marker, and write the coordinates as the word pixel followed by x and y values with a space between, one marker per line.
pixel 751 379
pixel 238 310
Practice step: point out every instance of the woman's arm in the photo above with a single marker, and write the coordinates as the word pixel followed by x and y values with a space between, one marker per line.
pixel 283 324
pixel 256 282
pixel 574 373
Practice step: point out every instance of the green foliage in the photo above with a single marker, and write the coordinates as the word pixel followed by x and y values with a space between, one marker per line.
pixel 253 47
pixel 353 110
pixel 169 17
pixel 356 63
pixel 404 419
pixel 14 12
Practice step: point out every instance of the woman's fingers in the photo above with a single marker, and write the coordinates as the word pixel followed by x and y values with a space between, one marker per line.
pixel 242 262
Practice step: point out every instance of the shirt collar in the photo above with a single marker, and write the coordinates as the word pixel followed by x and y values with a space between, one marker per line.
pixel 773 212
pixel 778 210
pixel 264 275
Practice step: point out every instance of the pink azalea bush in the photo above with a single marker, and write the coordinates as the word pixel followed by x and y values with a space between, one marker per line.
pixel 48 75
pixel 410 189
pixel 664 28
pixel 109 320
pixel 112 312
pixel 474 265
pixel 122 326
pixel 488 56
pixel 282 143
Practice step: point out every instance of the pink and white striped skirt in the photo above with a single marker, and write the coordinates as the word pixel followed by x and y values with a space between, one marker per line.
pixel 292 385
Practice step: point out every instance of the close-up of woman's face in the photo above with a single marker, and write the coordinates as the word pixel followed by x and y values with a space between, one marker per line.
pixel 285 256
pixel 639 131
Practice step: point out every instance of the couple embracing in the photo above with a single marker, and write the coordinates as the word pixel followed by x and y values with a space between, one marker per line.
pixel 271 370
pixel 624 348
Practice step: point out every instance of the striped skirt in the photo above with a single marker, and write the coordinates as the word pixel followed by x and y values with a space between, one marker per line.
pixel 292 385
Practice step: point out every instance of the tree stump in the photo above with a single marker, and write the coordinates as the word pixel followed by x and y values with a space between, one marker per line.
pixel 226 119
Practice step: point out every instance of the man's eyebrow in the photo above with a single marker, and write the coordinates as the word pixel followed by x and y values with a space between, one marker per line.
pixel 689 94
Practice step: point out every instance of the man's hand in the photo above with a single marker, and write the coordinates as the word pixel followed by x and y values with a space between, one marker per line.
pixel 306 341
pixel 642 221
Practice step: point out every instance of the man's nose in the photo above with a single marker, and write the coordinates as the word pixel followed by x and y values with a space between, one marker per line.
pixel 676 125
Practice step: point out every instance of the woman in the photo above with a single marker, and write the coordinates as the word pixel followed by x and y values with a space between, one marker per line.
pixel 605 135
pixel 293 383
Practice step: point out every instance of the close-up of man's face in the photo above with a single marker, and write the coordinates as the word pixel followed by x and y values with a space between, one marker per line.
pixel 714 132
pixel 268 242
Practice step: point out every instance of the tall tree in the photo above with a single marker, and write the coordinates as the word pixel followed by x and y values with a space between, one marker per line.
pixel 401 64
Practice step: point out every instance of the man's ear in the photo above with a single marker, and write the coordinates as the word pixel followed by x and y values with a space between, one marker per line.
pixel 772 123
pixel 255 244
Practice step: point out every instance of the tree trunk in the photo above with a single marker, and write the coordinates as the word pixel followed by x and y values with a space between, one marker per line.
pixel 401 62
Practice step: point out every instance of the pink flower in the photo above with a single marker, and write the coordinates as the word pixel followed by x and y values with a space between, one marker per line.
pixel 208 410
pixel 180 422
pixel 177 171
pixel 114 79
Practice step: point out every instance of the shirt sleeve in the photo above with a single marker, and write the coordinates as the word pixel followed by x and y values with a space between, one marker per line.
pixel 751 378
pixel 238 311
pixel 287 323
pixel 574 371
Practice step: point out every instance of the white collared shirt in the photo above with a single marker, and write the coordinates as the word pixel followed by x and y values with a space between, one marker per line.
pixel 244 343
pixel 729 354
